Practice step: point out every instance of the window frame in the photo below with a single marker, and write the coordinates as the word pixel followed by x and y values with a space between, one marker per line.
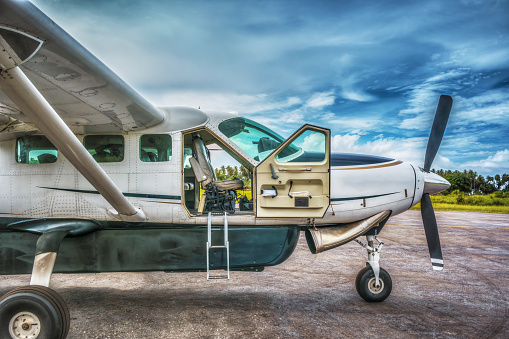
pixel 17 157
pixel 122 150
pixel 170 148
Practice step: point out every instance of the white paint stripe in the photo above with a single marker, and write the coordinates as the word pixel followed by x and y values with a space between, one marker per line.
pixel 437 261
pixel 438 268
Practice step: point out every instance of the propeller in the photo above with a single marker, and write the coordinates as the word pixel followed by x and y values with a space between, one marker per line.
pixel 427 212
pixel 437 130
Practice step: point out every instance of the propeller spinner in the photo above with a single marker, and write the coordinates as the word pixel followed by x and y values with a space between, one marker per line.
pixel 433 182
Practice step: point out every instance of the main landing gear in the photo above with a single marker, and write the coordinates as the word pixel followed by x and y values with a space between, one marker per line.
pixel 33 311
pixel 373 283
pixel 36 311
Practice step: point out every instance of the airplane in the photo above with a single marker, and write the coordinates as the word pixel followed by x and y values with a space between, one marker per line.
pixel 97 179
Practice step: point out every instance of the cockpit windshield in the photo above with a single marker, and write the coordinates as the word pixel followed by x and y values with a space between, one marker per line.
pixel 253 138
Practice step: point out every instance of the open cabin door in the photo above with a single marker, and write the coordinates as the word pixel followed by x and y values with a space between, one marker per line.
pixel 294 180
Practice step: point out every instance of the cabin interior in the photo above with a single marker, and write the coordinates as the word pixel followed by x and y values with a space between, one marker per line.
pixel 204 191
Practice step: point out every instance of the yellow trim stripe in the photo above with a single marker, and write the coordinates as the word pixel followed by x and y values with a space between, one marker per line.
pixel 459 226
pixel 165 202
pixel 367 167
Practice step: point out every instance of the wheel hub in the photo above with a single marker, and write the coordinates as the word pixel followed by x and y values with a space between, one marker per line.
pixel 372 286
pixel 24 325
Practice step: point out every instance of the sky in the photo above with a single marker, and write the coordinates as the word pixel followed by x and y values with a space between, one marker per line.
pixel 371 71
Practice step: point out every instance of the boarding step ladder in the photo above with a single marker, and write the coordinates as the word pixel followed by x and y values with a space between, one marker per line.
pixel 226 246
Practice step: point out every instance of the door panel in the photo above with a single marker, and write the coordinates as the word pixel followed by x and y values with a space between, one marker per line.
pixel 293 181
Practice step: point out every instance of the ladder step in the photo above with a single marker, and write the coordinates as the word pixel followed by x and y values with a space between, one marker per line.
pixel 225 246
pixel 219 277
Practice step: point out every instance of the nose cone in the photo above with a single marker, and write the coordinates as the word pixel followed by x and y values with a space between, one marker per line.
pixel 433 183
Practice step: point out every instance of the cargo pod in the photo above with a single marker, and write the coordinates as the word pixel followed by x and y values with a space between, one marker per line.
pixel 293 181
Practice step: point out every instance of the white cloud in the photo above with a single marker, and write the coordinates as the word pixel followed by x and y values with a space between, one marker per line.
pixel 499 162
pixel 224 101
pixel 410 150
pixel 358 126
pixel 487 56
pixel 423 99
pixel 488 107
pixel 403 149
pixel 319 100
pixel 351 90
pixel 313 141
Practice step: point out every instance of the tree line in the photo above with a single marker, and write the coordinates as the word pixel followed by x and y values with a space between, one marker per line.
pixel 471 182
pixel 229 172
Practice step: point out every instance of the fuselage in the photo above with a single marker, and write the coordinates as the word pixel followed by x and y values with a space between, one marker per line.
pixel 360 185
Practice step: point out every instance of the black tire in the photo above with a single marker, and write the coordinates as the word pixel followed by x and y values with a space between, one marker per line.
pixel 365 284
pixel 40 301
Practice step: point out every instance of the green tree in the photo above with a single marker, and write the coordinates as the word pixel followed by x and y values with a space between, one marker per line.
pixel 486 186
pixel 498 181
pixel 505 180
pixel 459 181
pixel 229 172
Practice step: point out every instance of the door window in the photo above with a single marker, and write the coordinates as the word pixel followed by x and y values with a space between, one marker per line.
pixel 310 146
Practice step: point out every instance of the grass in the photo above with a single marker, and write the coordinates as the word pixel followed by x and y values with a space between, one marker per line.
pixel 497 202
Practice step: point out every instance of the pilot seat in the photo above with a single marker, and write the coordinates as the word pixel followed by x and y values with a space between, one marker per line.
pixel 219 195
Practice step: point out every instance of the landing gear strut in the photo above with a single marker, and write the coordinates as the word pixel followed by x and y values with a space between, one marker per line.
pixel 373 283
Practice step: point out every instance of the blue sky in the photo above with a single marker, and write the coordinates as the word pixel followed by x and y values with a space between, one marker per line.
pixel 371 71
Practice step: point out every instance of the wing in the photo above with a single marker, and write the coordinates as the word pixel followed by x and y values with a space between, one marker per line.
pixel 86 94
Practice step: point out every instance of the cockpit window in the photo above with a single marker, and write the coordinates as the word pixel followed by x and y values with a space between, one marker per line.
pixel 253 138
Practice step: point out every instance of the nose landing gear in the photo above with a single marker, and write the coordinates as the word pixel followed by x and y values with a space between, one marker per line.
pixel 373 283
pixel 366 286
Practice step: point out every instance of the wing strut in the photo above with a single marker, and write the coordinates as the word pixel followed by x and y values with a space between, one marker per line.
pixel 15 84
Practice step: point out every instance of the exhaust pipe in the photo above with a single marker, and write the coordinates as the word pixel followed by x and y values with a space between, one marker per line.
pixel 325 238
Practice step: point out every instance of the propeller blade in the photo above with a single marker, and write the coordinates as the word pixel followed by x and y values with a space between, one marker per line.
pixel 431 230
pixel 437 130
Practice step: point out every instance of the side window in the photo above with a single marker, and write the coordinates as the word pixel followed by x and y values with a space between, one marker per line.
pixel 310 145
pixel 35 149
pixel 188 154
pixel 105 148
pixel 155 147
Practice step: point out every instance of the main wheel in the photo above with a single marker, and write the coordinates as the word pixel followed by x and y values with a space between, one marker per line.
pixel 33 312
pixel 366 284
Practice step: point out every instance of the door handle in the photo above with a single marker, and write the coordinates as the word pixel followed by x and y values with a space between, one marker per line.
pixel 274 175
pixel 296 169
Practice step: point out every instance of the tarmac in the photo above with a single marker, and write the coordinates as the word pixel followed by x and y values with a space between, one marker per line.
pixel 312 296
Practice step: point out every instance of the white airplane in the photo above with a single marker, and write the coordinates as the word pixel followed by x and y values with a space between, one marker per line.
pixel 92 171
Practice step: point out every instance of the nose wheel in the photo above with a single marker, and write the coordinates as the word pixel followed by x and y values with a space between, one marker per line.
pixel 373 283
pixel 368 289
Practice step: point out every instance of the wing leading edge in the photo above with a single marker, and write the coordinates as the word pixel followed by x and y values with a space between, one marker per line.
pixel 87 95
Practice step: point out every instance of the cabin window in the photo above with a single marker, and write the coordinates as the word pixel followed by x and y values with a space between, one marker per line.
pixel 105 148
pixel 36 149
pixel 310 146
pixel 155 147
